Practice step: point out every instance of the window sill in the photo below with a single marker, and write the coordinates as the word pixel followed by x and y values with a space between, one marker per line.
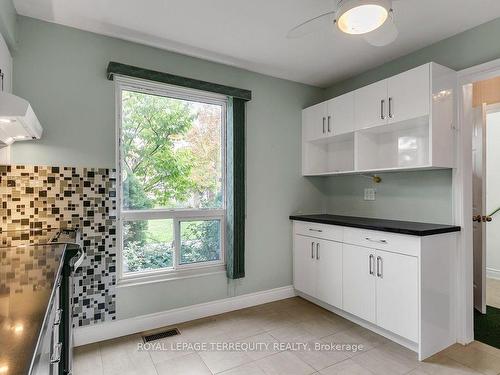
pixel 169 275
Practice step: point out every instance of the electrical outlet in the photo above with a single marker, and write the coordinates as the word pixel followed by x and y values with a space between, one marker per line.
pixel 369 194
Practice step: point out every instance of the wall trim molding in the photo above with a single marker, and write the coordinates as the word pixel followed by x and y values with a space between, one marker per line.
pixel 492 273
pixel 109 330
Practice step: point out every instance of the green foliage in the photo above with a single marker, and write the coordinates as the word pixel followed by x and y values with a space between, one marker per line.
pixel 200 241
pixel 150 126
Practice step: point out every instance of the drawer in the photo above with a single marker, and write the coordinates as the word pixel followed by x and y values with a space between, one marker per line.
pixel 398 243
pixel 324 231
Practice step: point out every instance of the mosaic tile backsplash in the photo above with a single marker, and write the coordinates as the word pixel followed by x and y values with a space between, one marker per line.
pixel 68 197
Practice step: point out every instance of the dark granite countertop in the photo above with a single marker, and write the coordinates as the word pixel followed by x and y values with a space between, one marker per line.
pixel 28 272
pixel 394 226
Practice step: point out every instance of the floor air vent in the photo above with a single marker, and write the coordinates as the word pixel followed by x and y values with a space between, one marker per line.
pixel 161 335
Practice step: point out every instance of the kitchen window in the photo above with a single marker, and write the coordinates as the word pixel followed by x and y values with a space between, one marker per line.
pixel 171 177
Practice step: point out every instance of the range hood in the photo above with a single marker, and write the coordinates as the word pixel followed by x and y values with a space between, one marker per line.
pixel 18 122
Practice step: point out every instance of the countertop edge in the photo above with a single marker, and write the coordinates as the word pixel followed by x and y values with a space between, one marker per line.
pixel 419 233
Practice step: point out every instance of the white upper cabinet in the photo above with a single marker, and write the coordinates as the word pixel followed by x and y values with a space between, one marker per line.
pixel 314 122
pixel 340 116
pixel 370 105
pixel 403 122
pixel 5 66
pixel 409 94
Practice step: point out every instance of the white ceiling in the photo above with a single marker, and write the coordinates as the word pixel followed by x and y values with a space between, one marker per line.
pixel 252 34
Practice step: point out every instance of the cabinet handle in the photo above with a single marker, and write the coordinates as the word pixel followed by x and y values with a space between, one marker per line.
pixel 390 108
pixel 324 119
pixel 380 264
pixel 56 354
pixel 57 319
pixel 377 241
pixel 317 251
pixel 312 250
pixel 370 264
pixel 329 118
pixel 315 230
pixel 382 109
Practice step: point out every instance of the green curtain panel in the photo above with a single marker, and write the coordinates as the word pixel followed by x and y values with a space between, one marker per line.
pixel 235 243
pixel 235 149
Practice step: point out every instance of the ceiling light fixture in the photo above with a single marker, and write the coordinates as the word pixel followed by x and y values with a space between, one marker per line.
pixel 362 16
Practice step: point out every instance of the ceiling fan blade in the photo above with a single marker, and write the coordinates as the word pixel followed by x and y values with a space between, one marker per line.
pixel 312 25
pixel 384 35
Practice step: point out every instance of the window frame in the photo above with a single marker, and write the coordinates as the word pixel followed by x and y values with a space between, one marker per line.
pixel 178 270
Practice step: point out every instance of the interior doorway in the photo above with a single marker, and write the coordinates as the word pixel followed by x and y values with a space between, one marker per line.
pixel 486 209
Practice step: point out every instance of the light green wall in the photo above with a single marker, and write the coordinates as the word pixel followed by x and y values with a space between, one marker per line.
pixel 8 22
pixel 422 196
pixel 61 71
pixel 472 47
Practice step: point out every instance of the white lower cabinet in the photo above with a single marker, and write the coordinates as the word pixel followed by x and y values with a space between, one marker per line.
pixel 401 286
pixel 318 268
pixel 358 287
pixel 329 273
pixel 396 277
pixel 304 265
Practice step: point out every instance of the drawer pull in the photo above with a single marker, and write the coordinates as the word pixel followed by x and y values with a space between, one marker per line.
pixel 315 230
pixel 56 355
pixel 57 319
pixel 380 264
pixel 377 241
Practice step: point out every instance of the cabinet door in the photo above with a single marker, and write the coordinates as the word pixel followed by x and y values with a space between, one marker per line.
pixel 5 65
pixel 304 263
pixel 409 94
pixel 358 290
pixel 370 105
pixel 341 114
pixel 329 272
pixel 397 294
pixel 314 121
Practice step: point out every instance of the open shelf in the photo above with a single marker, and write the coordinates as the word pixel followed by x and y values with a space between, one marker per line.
pixel 334 154
pixel 401 145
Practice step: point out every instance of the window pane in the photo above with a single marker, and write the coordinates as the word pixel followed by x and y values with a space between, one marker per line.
pixel 147 245
pixel 171 153
pixel 200 241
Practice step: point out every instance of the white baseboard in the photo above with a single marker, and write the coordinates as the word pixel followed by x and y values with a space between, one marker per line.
pixel 492 273
pixel 109 330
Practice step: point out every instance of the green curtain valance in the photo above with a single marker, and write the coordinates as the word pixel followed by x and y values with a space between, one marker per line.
pixel 171 79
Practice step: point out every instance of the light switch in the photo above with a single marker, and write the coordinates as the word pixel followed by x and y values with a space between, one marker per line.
pixel 369 194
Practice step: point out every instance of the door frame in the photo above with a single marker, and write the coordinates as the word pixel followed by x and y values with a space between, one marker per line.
pixel 462 192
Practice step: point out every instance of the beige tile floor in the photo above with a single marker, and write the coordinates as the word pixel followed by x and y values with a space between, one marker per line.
pixel 493 292
pixel 289 321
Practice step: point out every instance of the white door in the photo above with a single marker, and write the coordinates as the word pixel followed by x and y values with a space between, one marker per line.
pixel 314 122
pixel 329 272
pixel 409 94
pixel 370 105
pixel 479 205
pixel 358 289
pixel 304 264
pixel 341 114
pixel 397 293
